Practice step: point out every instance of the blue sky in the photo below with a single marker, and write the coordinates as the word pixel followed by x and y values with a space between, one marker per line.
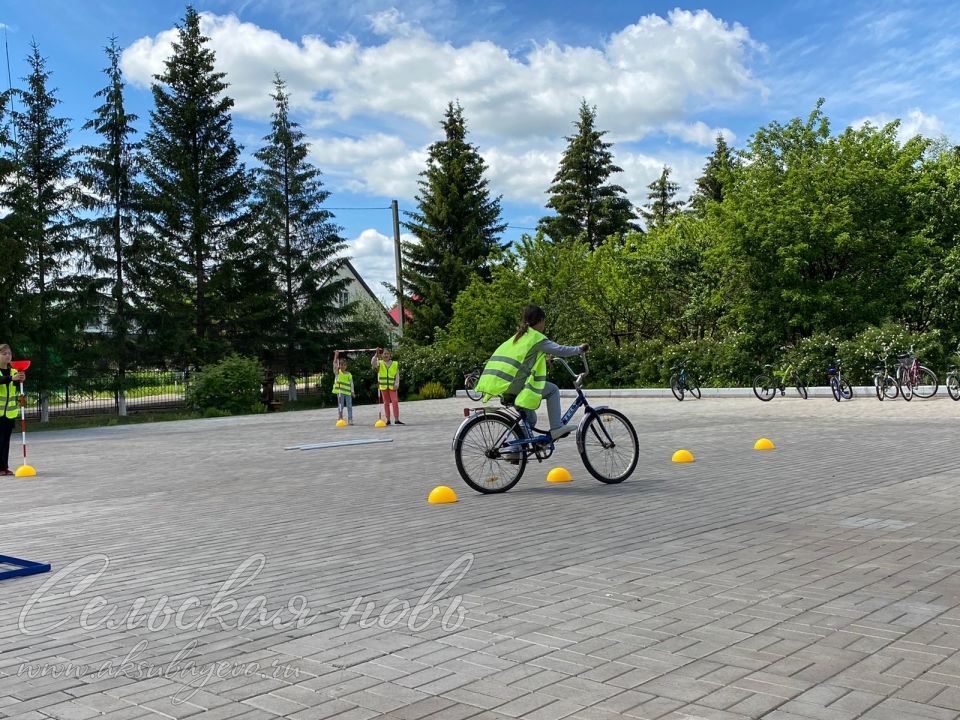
pixel 369 81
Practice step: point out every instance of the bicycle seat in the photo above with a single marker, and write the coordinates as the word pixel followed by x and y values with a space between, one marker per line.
pixel 508 400
pixel 831 371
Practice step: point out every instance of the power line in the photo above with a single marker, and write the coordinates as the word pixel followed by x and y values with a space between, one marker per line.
pixel 357 208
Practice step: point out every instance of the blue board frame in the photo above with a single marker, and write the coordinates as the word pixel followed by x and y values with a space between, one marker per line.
pixel 21 567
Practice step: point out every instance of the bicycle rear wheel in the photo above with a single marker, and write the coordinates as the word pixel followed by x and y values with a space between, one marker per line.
pixel 800 386
pixel 891 388
pixel 878 387
pixel 953 386
pixel 764 387
pixel 693 388
pixel 927 383
pixel 469 383
pixel 608 445
pixel 675 387
pixel 478 451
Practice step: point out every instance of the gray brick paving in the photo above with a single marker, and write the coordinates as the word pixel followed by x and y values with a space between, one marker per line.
pixel 821 580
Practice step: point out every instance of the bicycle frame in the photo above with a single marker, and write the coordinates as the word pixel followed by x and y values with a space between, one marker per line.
pixel 517 416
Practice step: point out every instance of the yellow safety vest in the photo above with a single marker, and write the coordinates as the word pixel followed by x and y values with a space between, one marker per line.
pixel 515 362
pixel 387 375
pixel 342 382
pixel 9 397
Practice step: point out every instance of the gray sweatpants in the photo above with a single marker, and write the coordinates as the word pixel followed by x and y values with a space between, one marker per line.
pixel 551 393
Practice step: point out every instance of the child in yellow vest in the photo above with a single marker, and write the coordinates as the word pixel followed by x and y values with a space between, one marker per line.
pixel 342 387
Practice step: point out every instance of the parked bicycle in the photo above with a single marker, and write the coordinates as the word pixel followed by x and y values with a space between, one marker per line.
pixel 492 446
pixel 470 381
pixel 884 384
pixel 682 382
pixel 952 381
pixel 839 385
pixel 765 385
pixel 914 378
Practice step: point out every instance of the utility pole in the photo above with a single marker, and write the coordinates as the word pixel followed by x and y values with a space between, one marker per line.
pixel 396 249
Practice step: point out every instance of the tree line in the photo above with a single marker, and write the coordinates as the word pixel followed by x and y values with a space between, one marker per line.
pixel 164 244
pixel 805 245
pixel 178 255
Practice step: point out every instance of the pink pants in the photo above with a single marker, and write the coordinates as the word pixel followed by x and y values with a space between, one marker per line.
pixel 388 397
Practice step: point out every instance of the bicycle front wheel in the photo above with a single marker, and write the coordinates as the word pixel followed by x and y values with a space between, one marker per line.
pixel 764 387
pixel 846 391
pixel 927 383
pixel 608 446
pixel 953 386
pixel 693 388
pixel 469 384
pixel 675 387
pixel 479 452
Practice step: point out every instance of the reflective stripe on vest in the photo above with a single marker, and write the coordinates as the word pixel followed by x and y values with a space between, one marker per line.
pixel 387 375
pixel 517 367
pixel 342 383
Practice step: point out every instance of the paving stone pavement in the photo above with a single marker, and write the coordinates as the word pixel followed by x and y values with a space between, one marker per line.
pixel 200 570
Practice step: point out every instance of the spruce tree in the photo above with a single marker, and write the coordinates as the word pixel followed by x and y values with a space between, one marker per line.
pixel 715 179
pixel 194 193
pixel 11 252
pixel 107 173
pixel 299 241
pixel 42 202
pixel 588 207
pixel 456 227
pixel 662 205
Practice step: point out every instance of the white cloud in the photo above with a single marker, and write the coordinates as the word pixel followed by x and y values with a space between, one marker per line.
pixel 390 97
pixel 641 77
pixel 372 254
pixel 914 122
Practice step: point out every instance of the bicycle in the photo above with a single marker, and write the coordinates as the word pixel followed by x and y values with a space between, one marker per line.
pixel 765 385
pixel 914 378
pixel 884 384
pixel 839 385
pixel 681 382
pixel 470 381
pixel 492 446
pixel 952 381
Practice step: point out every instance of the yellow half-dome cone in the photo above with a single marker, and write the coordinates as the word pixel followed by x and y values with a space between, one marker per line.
pixel 764 444
pixel 441 494
pixel 341 423
pixel 25 471
pixel 559 475
pixel 682 456
pixel 379 423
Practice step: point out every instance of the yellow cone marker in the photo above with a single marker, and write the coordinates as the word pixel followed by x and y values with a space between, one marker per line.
pixel 25 471
pixel 559 475
pixel 379 423
pixel 764 444
pixel 441 494
pixel 682 456
pixel 341 423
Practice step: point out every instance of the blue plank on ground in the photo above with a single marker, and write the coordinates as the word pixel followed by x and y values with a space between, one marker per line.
pixel 20 567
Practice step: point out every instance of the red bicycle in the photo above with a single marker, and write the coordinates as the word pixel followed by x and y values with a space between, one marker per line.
pixel 914 378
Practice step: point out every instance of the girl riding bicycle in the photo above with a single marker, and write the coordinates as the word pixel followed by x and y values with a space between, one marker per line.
pixel 517 371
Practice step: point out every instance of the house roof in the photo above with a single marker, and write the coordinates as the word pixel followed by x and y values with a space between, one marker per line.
pixel 363 283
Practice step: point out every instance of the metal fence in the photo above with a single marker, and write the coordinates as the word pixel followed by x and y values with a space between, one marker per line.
pixel 145 391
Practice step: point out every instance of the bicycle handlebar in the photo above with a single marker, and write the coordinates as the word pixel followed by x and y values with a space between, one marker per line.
pixel 577 378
